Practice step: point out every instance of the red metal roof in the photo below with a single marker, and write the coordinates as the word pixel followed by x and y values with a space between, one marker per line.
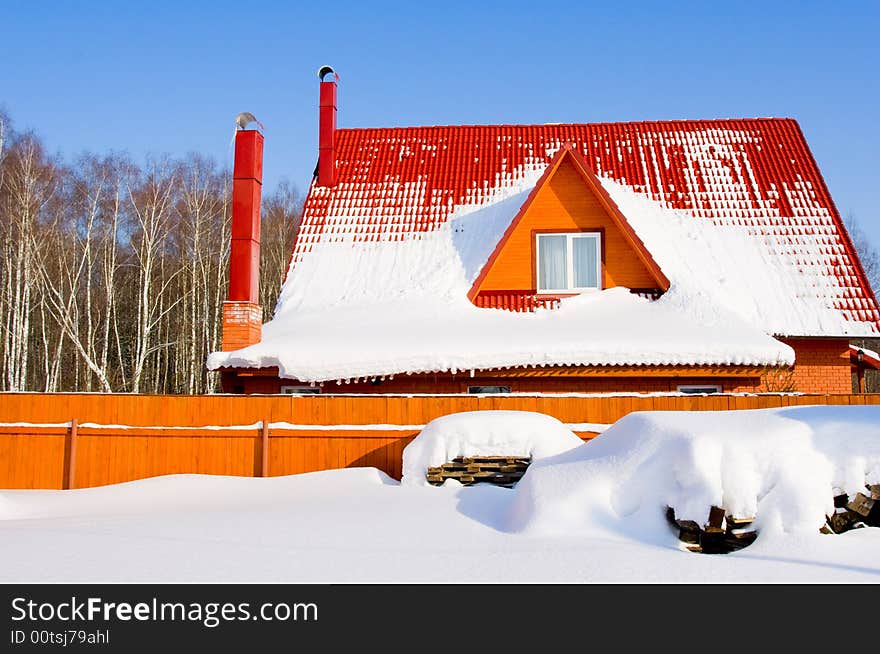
pixel 753 172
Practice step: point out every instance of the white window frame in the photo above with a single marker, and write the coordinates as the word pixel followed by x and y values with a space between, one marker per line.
pixel 300 390
pixel 696 389
pixel 569 260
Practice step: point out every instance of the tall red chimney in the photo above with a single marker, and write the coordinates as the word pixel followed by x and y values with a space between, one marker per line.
pixel 242 314
pixel 327 128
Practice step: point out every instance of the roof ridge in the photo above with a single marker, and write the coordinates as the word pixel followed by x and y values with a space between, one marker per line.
pixel 674 121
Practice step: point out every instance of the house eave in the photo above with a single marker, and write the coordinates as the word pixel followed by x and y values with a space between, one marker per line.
pixel 632 370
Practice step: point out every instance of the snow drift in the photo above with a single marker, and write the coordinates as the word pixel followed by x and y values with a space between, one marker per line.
pixel 782 466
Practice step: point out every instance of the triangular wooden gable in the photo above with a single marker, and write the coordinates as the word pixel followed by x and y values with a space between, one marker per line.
pixel 569 197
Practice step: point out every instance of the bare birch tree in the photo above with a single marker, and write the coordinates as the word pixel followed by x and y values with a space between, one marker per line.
pixel 113 275
pixel 150 199
pixel 281 216
pixel 29 182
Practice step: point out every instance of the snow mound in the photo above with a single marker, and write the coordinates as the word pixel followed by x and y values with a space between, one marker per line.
pixel 484 433
pixel 175 494
pixel 782 466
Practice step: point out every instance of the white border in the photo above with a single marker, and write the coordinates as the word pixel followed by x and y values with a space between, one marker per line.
pixel 569 260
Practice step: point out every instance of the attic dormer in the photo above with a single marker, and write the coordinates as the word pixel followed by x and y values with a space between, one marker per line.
pixel 569 237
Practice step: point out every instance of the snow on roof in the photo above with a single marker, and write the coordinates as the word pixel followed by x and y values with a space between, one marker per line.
pixel 350 311
pixel 734 212
pixel 756 174
pixel 756 274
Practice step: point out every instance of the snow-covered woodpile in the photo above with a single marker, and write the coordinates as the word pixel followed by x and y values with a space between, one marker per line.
pixel 722 533
pixel 499 470
pixel 491 446
pixel 854 511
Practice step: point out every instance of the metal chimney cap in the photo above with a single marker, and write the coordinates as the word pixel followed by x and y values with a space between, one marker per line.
pixel 323 71
pixel 245 118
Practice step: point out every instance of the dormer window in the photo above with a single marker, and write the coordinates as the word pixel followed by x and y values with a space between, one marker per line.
pixel 569 262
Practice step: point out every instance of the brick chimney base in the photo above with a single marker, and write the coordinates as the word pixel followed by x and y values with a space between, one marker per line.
pixel 242 325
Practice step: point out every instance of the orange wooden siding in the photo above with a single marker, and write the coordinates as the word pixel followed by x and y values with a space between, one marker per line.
pixel 37 457
pixel 565 203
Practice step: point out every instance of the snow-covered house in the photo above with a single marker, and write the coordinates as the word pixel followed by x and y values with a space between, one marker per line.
pixel 692 255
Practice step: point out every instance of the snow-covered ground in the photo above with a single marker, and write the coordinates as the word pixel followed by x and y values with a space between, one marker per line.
pixel 590 513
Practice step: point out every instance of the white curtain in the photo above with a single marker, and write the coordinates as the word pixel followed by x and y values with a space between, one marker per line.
pixel 552 252
pixel 585 257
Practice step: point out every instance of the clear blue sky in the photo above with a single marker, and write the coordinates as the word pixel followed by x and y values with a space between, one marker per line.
pixel 169 77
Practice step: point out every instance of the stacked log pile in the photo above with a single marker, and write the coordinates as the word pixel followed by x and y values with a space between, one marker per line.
pixel 854 512
pixel 722 533
pixel 499 470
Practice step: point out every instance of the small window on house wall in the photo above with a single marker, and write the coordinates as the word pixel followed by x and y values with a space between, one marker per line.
pixel 698 390
pixel 486 390
pixel 569 263
pixel 301 390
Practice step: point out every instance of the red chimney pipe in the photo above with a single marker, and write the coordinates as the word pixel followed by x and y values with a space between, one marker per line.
pixel 247 184
pixel 327 128
pixel 242 314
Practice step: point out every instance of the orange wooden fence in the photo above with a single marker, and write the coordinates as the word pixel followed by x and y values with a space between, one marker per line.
pixel 82 440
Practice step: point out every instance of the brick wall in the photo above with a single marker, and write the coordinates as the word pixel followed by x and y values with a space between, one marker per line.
pixel 821 366
pixel 242 325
